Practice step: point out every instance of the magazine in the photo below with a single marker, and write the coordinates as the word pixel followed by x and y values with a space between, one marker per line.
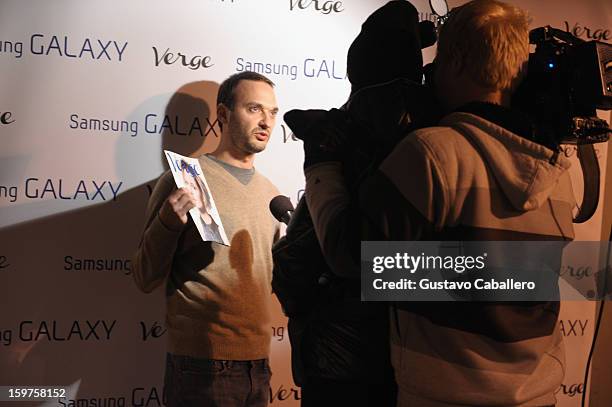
pixel 188 174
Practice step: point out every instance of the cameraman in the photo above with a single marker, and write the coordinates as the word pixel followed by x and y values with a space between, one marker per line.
pixel 475 177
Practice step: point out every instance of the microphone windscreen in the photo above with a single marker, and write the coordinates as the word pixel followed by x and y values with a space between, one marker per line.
pixel 280 206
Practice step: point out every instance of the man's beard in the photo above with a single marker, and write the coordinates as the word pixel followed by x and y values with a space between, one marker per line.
pixel 249 143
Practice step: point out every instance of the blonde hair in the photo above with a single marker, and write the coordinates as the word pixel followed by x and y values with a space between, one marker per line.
pixel 489 40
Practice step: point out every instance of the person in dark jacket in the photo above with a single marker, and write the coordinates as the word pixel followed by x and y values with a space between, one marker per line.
pixel 340 354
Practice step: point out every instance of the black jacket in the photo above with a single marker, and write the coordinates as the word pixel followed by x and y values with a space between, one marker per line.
pixel 330 329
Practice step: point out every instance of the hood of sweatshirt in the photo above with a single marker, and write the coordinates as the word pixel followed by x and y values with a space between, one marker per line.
pixel 526 172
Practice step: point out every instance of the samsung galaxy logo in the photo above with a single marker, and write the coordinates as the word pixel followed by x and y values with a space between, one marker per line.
pixel 57 188
pixel 151 123
pixel 54 331
pixel 308 68
pixel 573 327
pixel 80 48
pixel 11 47
pixel 72 263
pixel 60 189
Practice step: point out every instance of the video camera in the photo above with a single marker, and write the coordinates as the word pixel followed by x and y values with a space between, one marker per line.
pixel 567 80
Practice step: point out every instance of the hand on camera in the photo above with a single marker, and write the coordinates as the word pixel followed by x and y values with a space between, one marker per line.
pixel 324 133
pixel 174 211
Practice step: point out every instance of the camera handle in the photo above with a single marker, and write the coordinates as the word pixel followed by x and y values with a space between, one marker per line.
pixel 590 176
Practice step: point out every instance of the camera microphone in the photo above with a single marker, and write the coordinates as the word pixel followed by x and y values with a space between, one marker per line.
pixel 281 208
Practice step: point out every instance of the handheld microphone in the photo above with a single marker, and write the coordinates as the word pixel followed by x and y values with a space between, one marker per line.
pixel 281 208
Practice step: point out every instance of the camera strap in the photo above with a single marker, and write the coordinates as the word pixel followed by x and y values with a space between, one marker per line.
pixel 590 176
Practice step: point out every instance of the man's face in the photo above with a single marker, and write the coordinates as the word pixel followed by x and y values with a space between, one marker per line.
pixel 250 122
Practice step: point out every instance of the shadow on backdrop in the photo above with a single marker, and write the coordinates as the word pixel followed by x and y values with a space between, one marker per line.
pixel 72 311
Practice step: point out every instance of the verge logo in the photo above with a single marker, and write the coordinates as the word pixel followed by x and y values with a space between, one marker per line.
pixel 288 134
pixel 3 262
pixel 570 390
pixel 151 332
pixel 193 63
pixel 576 272
pixel 69 48
pixel 281 394
pixel 98 330
pixel 324 7
pixel 5 118
pixel 599 34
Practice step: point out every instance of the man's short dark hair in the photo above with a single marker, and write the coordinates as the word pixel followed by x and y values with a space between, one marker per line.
pixel 226 89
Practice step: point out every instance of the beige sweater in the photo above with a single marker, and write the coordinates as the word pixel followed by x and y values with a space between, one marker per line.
pixel 218 297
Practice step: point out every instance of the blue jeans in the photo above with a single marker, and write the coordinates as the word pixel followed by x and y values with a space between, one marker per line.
pixel 210 383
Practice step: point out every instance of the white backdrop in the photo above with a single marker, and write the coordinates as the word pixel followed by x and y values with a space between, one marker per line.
pixel 92 92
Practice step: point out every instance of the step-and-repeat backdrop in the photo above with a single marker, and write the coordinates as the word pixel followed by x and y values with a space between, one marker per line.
pixel 92 92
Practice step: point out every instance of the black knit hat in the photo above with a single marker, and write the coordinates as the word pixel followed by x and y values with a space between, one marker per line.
pixel 388 47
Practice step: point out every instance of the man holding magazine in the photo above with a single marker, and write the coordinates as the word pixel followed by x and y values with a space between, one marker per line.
pixel 218 297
